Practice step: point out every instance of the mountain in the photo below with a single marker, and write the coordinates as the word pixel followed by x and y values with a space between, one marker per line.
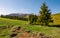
pixel 19 14
pixel 15 14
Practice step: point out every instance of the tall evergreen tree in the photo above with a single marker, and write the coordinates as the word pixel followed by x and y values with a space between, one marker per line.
pixel 45 15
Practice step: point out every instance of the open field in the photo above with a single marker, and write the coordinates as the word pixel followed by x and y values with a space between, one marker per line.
pixel 5 32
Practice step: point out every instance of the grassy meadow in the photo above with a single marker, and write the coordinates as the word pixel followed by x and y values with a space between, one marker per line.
pixel 54 31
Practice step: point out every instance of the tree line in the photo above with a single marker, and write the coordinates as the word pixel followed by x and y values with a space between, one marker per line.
pixel 14 17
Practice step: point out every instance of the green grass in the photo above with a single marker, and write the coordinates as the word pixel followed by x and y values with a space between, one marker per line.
pixel 4 21
pixel 56 18
pixel 34 28
pixel 9 22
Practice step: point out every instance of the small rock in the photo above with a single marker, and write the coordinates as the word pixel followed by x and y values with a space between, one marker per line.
pixel 16 29
pixel 28 31
pixel 13 35
pixel 41 34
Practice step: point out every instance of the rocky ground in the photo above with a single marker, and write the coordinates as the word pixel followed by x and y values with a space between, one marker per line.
pixel 19 32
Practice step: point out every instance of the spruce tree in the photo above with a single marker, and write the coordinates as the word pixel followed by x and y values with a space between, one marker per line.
pixel 45 15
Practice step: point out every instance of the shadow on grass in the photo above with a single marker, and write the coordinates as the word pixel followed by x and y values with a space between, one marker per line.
pixel 57 25
pixel 49 25
pixel 54 26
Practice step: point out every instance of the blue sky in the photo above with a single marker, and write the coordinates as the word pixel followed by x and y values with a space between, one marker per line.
pixel 27 6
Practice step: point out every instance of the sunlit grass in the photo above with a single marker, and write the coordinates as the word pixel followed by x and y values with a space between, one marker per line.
pixel 24 24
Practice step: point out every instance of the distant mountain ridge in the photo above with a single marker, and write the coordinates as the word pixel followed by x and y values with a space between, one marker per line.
pixel 19 14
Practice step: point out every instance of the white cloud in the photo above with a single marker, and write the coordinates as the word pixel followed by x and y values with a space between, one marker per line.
pixel 5 11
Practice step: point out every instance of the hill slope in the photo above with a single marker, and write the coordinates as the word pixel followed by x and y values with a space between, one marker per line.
pixel 4 21
pixel 56 18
